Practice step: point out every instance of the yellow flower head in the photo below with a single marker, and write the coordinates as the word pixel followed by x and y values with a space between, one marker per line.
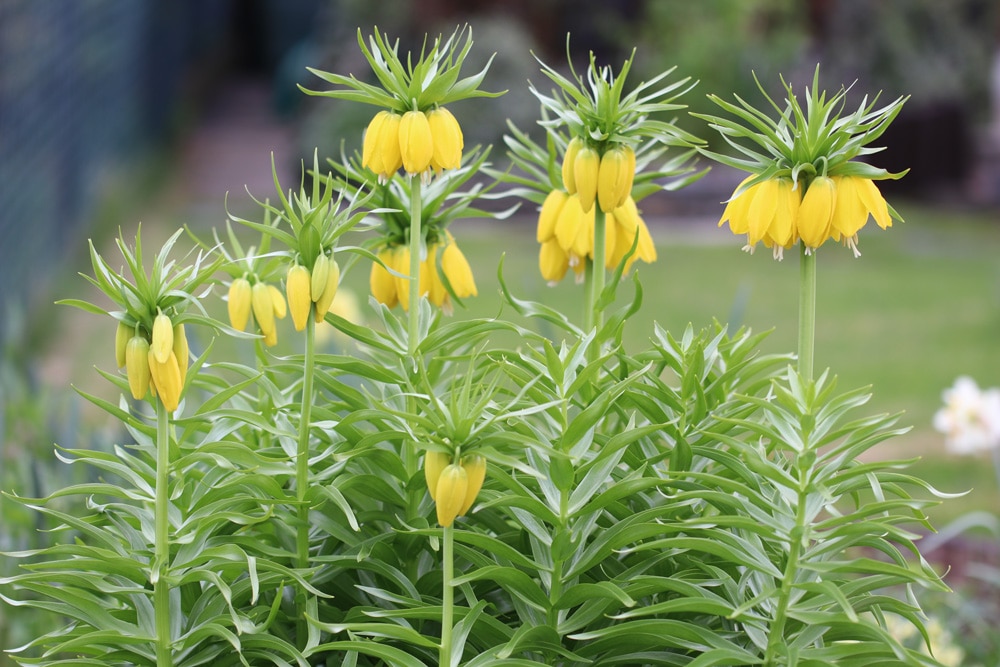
pixel 804 181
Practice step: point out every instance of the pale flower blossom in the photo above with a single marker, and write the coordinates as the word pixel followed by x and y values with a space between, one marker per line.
pixel 970 418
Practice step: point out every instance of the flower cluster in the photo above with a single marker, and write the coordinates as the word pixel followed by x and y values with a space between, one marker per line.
pixel 776 212
pixel 970 418
pixel 157 362
pixel 805 183
pixel 417 141
pixel 444 267
pixel 265 301
pixel 453 486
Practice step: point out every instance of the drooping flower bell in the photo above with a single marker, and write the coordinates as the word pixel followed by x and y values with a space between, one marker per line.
pixel 805 184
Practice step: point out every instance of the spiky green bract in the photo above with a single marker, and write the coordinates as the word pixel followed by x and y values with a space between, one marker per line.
pixel 432 80
pixel 817 138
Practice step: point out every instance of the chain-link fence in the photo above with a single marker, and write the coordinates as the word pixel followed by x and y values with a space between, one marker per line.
pixel 84 85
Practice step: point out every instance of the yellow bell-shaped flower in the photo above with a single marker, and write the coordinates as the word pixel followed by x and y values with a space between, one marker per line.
pixel 614 177
pixel 381 282
pixel 449 496
pixel 568 164
pixel 447 139
pixel 586 170
pixel 239 303
pixel 549 214
pixel 553 261
pixel 416 144
pixel 456 268
pixel 815 215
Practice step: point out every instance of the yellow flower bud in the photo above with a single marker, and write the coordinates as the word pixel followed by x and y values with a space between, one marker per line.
pixel 568 178
pixel 298 287
pixel 614 180
pixel 371 154
pixel 586 168
pixel 163 337
pixel 166 376
pixel 416 145
pixel 381 282
pixel 434 463
pixel 137 366
pixel 122 336
pixel 456 268
pixel 549 214
pixel 447 140
pixel 450 493
pixel 553 261
pixel 815 215
pixel 181 350
pixel 239 303
pixel 263 308
pixel 389 160
pixel 278 301
pixel 475 471
pixel 329 292
pixel 318 275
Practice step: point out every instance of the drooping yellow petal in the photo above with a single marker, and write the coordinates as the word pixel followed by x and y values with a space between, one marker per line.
pixel 762 209
pixel 614 180
pixel 449 496
pixel 298 289
pixel 239 303
pixel 416 144
pixel 737 208
pixel 459 273
pixel 381 282
pixel 782 228
pixel 552 261
pixel 874 202
pixel 569 159
pixel 437 293
pixel 849 212
pixel 447 139
pixel 390 158
pixel 371 155
pixel 815 215
pixel 549 214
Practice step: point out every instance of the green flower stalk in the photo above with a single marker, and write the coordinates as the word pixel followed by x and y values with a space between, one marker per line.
pixel 807 183
pixel 602 153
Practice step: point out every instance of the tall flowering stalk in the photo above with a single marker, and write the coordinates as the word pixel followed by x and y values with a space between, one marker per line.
pixel 413 131
pixel 808 182
pixel 587 178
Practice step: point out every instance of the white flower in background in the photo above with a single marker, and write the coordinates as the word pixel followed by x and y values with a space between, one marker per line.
pixel 970 418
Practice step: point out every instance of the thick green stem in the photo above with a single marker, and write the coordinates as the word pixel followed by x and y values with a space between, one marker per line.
pixel 302 476
pixel 807 312
pixel 161 545
pixel 416 236
pixel 447 596
pixel 776 634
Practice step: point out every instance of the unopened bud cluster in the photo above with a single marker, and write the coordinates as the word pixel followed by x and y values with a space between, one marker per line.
pixel 311 292
pixel 453 485
pixel 155 363
pixel 392 289
pixel 417 141
pixel 263 300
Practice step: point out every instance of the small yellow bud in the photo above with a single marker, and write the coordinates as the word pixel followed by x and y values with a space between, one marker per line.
pixel 298 287
pixel 167 378
pixel 434 463
pixel 447 140
pixel 371 155
pixel 383 283
pixel 163 337
pixel 586 168
pixel 318 274
pixel 569 180
pixel 475 470
pixel 122 336
pixel 181 350
pixel 416 145
pixel 547 217
pixel 450 493
pixel 329 292
pixel 263 308
pixel 278 300
pixel 239 303
pixel 137 366
pixel 614 180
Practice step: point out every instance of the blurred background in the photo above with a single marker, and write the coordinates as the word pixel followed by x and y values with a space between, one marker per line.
pixel 166 112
